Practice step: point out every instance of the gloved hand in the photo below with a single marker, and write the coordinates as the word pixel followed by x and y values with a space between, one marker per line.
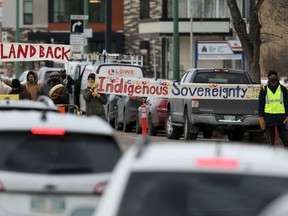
pixel 95 94
pixel 94 86
pixel 286 120
pixel 262 123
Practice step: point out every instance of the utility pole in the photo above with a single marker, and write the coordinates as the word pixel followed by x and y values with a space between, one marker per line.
pixel 17 73
pixel 86 12
pixel 176 40
pixel 108 13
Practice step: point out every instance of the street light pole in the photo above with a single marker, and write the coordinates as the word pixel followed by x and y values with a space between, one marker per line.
pixel 191 33
pixel 17 38
pixel 108 13
pixel 176 40
pixel 86 12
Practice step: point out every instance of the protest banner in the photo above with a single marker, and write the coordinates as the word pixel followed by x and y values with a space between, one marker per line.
pixel 34 52
pixel 171 89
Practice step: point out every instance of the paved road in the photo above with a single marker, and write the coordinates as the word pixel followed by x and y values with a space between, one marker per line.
pixel 127 139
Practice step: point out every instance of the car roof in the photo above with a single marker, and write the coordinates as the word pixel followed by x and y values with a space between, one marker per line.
pixel 200 70
pixel 16 121
pixel 184 156
pixel 43 103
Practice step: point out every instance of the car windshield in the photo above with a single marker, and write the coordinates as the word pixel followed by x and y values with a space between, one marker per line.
pixel 198 194
pixel 221 78
pixel 67 154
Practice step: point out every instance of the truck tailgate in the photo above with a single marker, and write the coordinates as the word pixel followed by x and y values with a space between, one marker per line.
pixel 230 107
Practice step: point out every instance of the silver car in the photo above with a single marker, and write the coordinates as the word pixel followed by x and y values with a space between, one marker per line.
pixel 53 164
pixel 195 179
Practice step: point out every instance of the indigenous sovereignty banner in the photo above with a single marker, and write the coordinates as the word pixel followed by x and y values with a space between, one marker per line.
pixel 171 89
pixel 34 52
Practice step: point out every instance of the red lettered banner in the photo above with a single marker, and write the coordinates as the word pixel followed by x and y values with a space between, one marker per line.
pixel 34 52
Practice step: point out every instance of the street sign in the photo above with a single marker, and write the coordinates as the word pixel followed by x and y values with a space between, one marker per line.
pixel 77 39
pixel 78 17
pixel 77 26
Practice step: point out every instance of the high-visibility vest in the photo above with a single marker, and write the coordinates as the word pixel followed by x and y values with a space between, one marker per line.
pixel 274 102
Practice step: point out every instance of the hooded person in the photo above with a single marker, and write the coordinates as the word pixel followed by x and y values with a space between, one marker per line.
pixel 94 101
pixel 54 81
pixel 273 109
pixel 17 88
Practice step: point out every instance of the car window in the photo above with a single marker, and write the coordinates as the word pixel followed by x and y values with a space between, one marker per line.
pixel 65 154
pixel 198 194
pixel 221 78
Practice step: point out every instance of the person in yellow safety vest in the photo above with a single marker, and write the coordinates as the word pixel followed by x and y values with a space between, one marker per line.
pixel 273 109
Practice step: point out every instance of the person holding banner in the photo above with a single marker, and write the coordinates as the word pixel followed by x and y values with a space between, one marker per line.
pixel 273 109
pixel 94 101
pixel 17 88
pixel 55 89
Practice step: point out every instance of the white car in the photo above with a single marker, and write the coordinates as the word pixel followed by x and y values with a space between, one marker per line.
pixel 195 179
pixel 53 164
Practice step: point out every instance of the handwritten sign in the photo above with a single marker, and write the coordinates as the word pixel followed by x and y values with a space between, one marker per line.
pixel 171 89
pixel 34 52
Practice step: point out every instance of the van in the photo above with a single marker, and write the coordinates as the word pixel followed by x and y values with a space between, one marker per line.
pixel 74 69
pixel 108 69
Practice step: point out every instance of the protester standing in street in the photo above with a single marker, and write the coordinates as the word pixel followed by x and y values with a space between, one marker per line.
pixel 17 88
pixel 273 109
pixel 94 101
pixel 59 98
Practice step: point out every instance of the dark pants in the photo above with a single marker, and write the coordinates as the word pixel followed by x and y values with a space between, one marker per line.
pixel 282 133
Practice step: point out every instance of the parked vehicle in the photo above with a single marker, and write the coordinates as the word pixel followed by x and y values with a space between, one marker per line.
pixel 191 116
pixel 156 114
pixel 198 178
pixel 51 166
pixel 43 74
pixel 126 113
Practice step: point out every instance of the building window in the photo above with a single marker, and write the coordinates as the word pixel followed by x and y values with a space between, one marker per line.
pixel 144 9
pixel 97 11
pixel 28 12
pixel 62 9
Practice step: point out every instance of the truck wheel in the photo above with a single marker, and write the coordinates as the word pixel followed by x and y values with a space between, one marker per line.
pixel 152 131
pixel 187 134
pixel 171 131
pixel 235 135
pixel 207 134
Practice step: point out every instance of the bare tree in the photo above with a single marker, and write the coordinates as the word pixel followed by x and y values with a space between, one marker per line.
pixel 251 40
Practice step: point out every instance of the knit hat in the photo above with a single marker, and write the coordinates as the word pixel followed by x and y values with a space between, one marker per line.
pixel 54 73
pixel 92 76
pixel 270 72
pixel 15 83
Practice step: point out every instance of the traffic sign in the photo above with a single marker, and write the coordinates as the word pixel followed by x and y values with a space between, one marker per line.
pixel 77 39
pixel 77 26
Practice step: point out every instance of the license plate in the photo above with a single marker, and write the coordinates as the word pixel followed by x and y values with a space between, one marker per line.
pixel 229 118
pixel 48 204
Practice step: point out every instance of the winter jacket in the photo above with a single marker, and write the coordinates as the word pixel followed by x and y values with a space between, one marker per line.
pixel 94 106
pixel 22 92
pixel 62 99
pixel 272 119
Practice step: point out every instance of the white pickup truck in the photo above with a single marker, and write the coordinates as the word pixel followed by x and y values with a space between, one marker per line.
pixel 231 117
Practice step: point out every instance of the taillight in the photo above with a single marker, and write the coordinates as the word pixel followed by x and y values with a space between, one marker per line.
pixel 133 97
pixel 48 131
pixel 1 186
pixel 216 162
pixel 99 188
pixel 221 70
pixel 162 107
pixel 195 103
